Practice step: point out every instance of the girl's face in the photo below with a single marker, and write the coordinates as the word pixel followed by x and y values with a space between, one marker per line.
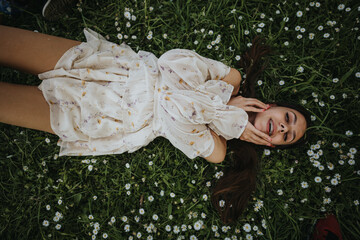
pixel 284 125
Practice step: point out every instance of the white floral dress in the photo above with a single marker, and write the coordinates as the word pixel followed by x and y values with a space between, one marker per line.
pixel 106 99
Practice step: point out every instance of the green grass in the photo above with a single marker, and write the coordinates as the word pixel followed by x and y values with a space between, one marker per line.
pixel 32 177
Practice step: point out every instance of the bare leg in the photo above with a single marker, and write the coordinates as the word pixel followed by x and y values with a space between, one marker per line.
pixel 24 106
pixel 35 53
pixel 29 51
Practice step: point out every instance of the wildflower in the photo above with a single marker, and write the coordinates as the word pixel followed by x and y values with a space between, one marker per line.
pixel 47 140
pixel 172 195
pixel 127 186
pixel 151 9
pixel 300 69
pixel 281 82
pixel 341 7
pixel 327 201
pixel 176 229
pixel 205 197
pixel 196 42
pixel 165 36
pixel 280 192
pixel 138 235
pixel 25 168
pixel 112 219
pixel 348 133
pixel 262 15
pixel 45 223
pixel 105 235
pixel 58 226
pixel 127 165
pixel 162 193
pixel 127 15
pixel 168 228
pixel 193 237
pixel 91 217
pixel 341 162
pixel 258 30
pixel 225 229
pixel 198 225
pixel 151 198
pixel 299 36
pixel 247 227
pixel 128 24
pixel 320 28
pixel 211 32
pixel 141 211
pixel 237 57
pixel 317 4
pixel 183 227
pixel 318 179
pixel 326 35
pixel 59 201
pixel 327 189
pixel 302 30
pixel 334 181
pixel 356 202
pixel 221 203
pixel 48 207
pixel 209 46
pixel 299 14
pixel 351 162
pixel 127 228
pixel 304 185
pixel 133 17
pixel 259 82
pixel 286 43
pixel 214 228
pixel 149 37
pixel 347 9
pixel 285 19
pixel 357 74
pixel 330 166
pixel 246 32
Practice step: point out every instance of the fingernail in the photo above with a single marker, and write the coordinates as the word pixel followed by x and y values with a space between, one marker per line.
pixel 264 110
pixel 268 106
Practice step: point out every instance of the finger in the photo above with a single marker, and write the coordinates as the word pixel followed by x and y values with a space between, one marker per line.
pixel 258 103
pixel 254 109
pixel 262 135
pixel 259 141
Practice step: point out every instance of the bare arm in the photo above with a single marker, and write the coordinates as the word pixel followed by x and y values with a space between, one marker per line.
pixel 233 78
pixel 218 155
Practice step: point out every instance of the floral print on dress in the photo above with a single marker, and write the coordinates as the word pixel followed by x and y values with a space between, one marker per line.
pixel 106 99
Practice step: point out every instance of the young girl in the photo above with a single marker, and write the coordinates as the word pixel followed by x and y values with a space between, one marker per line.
pixel 103 98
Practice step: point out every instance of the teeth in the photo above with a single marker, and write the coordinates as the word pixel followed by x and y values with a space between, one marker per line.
pixel 270 128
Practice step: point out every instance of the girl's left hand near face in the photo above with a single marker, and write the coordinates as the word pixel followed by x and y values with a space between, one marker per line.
pixel 248 104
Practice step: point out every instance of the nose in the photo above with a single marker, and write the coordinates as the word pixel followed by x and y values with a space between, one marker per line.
pixel 283 128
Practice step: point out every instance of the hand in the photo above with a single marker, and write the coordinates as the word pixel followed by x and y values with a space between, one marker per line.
pixel 251 134
pixel 248 104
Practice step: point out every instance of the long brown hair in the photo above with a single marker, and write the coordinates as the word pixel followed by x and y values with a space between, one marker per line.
pixel 239 180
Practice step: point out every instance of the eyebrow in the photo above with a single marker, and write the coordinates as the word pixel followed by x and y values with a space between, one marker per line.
pixel 294 133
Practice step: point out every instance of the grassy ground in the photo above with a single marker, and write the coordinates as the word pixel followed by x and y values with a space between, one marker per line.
pixel 156 192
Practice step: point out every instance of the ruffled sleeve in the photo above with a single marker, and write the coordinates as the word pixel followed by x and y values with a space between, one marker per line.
pixel 188 116
pixel 185 69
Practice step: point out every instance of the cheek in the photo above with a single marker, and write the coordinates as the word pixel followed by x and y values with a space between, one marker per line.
pixel 277 140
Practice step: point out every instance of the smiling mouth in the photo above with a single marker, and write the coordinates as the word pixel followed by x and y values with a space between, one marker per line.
pixel 271 127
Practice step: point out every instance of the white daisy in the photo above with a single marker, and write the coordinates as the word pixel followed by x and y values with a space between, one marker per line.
pixel 45 223
pixel 247 227
pixel 299 14
pixel 318 179
pixel 304 185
